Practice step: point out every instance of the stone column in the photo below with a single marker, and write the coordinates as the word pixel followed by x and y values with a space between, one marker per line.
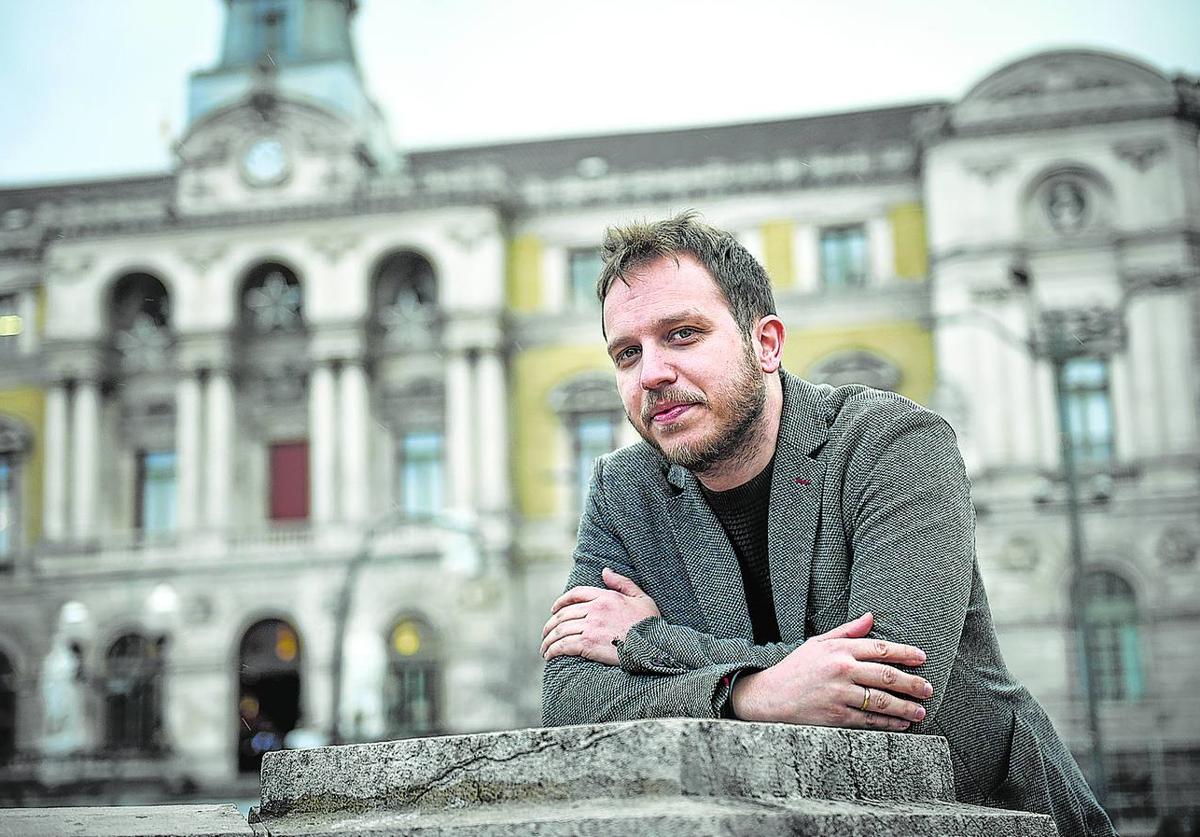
pixel 322 451
pixel 27 303
pixel 55 485
pixel 492 433
pixel 354 423
pixel 188 455
pixel 85 458
pixel 459 443
pixel 218 449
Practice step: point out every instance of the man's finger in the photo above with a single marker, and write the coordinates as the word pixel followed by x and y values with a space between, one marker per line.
pixel 615 581
pixel 575 611
pixel 882 650
pixel 575 594
pixel 883 703
pixel 567 646
pixel 855 628
pixel 883 676
pixel 873 720
pixel 571 627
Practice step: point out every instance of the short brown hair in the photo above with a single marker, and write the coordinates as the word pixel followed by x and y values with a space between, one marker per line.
pixel 742 280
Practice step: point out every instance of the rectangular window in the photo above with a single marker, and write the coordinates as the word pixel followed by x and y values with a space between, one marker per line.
pixel 594 436
pixel 1088 407
pixel 11 324
pixel 289 481
pixel 844 257
pixel 156 492
pixel 583 266
pixel 8 507
pixel 421 473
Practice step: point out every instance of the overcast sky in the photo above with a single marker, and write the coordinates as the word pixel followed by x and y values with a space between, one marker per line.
pixel 97 88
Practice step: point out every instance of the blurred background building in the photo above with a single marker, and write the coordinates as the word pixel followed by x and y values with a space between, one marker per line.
pixel 307 393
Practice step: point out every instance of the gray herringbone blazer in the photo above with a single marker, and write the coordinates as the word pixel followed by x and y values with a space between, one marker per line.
pixel 870 510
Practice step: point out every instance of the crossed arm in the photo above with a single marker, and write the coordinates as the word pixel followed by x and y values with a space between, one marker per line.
pixel 911 577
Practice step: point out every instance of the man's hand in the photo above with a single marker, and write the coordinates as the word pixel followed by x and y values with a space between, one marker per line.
pixel 588 621
pixel 826 680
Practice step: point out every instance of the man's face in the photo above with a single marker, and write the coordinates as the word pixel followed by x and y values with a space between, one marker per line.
pixel 690 382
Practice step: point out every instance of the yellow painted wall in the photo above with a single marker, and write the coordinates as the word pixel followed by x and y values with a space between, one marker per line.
pixel 536 372
pixel 908 240
pixel 904 344
pixel 28 406
pixel 525 273
pixel 778 241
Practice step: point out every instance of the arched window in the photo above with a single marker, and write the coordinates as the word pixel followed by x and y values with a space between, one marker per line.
pixel 14 446
pixel 855 367
pixel 1110 617
pixel 404 291
pixel 590 409
pixel 272 300
pixel 269 690
pixel 140 321
pixel 412 691
pixel 133 693
pixel 8 709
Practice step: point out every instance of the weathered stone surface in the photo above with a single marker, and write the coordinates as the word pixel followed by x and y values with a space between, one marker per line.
pixel 672 776
pixel 680 816
pixel 674 756
pixel 131 821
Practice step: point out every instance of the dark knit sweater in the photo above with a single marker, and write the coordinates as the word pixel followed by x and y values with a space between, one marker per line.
pixel 743 514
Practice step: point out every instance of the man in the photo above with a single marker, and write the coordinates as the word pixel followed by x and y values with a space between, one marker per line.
pixel 778 551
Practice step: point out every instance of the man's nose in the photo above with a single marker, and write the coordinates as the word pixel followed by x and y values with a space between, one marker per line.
pixel 656 371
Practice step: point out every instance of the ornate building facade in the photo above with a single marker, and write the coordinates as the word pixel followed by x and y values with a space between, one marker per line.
pixel 293 438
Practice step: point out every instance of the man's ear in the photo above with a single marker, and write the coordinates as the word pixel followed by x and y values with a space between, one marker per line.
pixel 769 334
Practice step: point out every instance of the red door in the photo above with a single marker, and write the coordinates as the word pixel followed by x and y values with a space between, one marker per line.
pixel 289 481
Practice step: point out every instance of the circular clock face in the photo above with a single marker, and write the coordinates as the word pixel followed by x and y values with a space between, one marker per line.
pixel 265 161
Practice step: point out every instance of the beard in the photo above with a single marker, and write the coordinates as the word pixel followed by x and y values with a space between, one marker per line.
pixel 736 408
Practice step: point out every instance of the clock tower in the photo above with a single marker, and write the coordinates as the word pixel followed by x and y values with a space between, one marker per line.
pixel 284 116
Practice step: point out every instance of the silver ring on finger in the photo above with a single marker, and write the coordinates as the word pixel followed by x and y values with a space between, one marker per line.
pixel 866 699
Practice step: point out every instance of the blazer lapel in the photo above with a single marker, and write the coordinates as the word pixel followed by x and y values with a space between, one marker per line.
pixel 795 512
pixel 708 557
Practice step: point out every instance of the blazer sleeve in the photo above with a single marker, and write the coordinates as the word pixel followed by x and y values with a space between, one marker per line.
pixel 655 646
pixel 580 691
pixel 907 506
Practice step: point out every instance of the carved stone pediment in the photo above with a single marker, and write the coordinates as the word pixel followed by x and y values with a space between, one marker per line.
pixel 1064 87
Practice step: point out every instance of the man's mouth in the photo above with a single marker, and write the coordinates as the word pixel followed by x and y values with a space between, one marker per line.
pixel 670 412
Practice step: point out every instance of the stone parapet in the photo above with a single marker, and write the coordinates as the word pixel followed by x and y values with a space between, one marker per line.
pixel 670 776
pixel 125 821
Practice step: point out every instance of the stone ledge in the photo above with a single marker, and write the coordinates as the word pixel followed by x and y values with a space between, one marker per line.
pixel 130 821
pixel 664 758
pixel 679 816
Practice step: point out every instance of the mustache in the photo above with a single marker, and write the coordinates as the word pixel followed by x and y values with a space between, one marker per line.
pixel 669 395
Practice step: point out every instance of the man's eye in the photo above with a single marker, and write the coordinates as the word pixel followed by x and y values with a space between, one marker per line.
pixel 626 355
pixel 683 333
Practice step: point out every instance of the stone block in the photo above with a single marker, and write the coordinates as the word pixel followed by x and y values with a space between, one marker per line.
pixel 670 776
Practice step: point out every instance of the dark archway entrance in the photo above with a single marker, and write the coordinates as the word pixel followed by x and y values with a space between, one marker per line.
pixel 268 690
pixel 8 709
pixel 133 694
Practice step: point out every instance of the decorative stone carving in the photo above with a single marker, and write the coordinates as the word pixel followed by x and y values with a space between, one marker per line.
pixel 203 257
pixel 1141 154
pixel 987 170
pixel 1178 547
pixel 333 247
pixel 1019 553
